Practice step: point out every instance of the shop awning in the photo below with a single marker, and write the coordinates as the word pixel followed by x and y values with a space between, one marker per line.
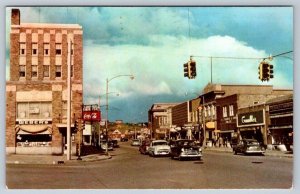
pixel 225 131
pixel 30 129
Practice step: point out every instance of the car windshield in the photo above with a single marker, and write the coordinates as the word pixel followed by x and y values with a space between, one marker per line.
pixel 160 143
pixel 253 143
pixel 186 143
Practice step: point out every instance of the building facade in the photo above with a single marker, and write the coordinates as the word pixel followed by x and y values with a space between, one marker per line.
pixel 280 128
pixel 36 93
pixel 159 119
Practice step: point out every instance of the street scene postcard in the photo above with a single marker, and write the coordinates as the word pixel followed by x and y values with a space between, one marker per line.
pixel 160 97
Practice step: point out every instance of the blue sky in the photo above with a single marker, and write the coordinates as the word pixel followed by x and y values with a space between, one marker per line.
pixel 152 43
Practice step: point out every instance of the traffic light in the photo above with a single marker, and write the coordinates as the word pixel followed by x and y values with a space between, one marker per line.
pixel 193 69
pixel 186 70
pixel 265 71
pixel 76 125
pixel 82 125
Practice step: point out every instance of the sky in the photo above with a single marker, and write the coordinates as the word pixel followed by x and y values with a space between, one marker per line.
pixel 153 43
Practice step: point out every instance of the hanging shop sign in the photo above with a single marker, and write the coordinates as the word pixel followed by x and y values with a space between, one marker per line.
pixel 251 119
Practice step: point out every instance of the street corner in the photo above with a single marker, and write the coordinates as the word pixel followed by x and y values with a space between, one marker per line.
pixel 95 157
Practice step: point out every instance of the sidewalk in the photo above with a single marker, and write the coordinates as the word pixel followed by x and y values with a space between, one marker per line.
pixel 276 153
pixel 52 159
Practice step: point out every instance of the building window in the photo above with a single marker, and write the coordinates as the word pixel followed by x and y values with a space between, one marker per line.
pixel 22 70
pixel 34 71
pixel 72 49
pixel 46 70
pixel 213 110
pixel 64 109
pixel 205 112
pixel 224 111
pixel 34 110
pixel 34 49
pixel 58 71
pixel 208 111
pixel 72 70
pixel 58 49
pixel 22 48
pixel 46 49
pixel 231 113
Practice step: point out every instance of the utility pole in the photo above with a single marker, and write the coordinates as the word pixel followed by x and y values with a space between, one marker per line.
pixel 69 102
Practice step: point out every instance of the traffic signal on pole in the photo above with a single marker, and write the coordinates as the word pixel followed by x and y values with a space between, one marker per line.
pixel 265 71
pixel 82 125
pixel 76 125
pixel 193 69
pixel 186 70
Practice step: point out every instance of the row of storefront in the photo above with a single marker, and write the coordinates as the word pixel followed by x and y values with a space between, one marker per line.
pixel 224 114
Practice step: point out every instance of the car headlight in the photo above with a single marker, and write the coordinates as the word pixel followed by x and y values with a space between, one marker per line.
pixel 200 150
pixel 182 149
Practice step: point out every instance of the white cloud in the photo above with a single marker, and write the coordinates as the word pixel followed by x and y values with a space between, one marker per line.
pixel 158 68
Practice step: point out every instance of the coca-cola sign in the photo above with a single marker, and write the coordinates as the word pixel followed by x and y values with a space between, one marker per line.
pixel 91 115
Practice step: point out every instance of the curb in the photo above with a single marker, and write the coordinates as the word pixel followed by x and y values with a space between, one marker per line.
pixel 279 154
pixel 90 158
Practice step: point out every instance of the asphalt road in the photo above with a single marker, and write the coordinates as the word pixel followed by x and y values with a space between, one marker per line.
pixel 128 169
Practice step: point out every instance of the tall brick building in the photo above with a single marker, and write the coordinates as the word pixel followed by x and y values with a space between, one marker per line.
pixel 36 94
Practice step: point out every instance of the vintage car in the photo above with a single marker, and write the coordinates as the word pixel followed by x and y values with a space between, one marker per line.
pixel 184 148
pixel 104 145
pixel 144 146
pixel 114 143
pixel 249 146
pixel 159 148
pixel 123 139
pixel 135 142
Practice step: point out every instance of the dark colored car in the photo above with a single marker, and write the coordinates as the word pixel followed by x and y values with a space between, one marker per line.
pixel 123 139
pixel 249 146
pixel 144 146
pixel 114 143
pixel 185 148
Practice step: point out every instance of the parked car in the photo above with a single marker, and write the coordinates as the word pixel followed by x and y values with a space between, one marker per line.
pixel 185 148
pixel 249 146
pixel 135 142
pixel 114 143
pixel 144 147
pixel 159 148
pixel 124 139
pixel 104 145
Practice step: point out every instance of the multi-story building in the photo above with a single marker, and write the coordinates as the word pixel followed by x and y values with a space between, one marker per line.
pixel 36 93
pixel 159 119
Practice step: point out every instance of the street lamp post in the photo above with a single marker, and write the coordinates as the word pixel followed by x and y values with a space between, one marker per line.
pixel 106 124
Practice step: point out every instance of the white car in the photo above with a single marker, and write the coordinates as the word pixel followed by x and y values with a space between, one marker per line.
pixel 159 148
pixel 135 142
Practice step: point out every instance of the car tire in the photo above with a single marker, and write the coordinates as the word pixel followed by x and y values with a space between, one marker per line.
pixel 235 152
